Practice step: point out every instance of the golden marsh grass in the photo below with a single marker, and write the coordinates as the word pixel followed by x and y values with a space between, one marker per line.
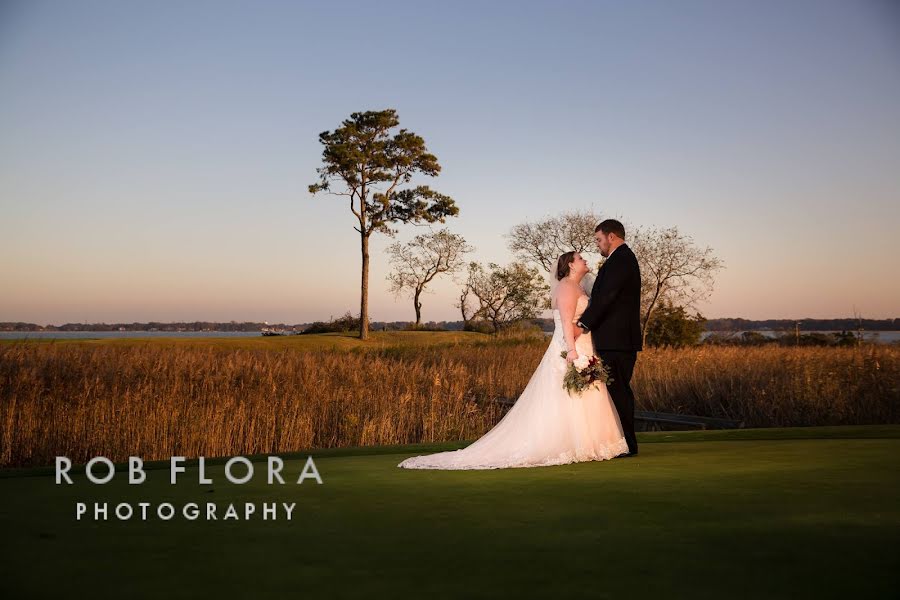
pixel 159 399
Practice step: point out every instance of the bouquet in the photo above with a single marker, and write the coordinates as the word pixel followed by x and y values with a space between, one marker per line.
pixel 584 372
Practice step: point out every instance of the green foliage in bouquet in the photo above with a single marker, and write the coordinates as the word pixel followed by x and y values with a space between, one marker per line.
pixel 584 372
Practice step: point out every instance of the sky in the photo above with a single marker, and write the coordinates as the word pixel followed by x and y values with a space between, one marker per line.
pixel 155 156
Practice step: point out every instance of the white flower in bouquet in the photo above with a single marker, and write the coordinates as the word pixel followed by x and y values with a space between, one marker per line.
pixel 581 363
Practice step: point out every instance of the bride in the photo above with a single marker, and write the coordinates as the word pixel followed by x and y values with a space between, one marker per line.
pixel 546 426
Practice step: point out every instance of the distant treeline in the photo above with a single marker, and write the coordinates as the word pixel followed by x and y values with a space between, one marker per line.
pixel 216 326
pixel 848 324
pixel 805 324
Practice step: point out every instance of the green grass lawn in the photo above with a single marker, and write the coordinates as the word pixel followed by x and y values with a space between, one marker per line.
pixel 768 513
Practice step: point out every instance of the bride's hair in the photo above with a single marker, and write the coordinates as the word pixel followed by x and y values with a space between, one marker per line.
pixel 563 264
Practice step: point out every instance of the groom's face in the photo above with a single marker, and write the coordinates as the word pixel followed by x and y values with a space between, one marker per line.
pixel 602 243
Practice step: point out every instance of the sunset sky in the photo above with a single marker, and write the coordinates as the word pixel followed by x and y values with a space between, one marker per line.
pixel 155 156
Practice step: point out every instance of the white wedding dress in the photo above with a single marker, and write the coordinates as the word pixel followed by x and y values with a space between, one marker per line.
pixel 546 426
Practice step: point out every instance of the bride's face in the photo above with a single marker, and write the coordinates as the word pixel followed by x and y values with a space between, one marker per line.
pixel 579 266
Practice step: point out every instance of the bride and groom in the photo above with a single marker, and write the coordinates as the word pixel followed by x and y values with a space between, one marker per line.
pixel 548 426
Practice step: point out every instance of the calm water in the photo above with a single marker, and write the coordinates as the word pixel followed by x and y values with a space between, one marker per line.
pixel 885 337
pixel 879 336
pixel 71 335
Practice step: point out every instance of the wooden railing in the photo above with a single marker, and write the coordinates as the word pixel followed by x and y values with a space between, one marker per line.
pixel 668 419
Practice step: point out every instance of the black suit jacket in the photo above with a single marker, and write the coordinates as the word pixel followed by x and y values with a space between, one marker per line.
pixel 614 313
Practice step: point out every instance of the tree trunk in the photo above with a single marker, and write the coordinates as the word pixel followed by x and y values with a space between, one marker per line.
pixel 418 306
pixel 644 326
pixel 649 315
pixel 462 307
pixel 364 290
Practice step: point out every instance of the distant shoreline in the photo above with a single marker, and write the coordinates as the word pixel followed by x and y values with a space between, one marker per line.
pixel 723 325
pixel 887 337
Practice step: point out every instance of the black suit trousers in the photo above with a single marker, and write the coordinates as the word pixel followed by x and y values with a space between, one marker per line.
pixel 621 368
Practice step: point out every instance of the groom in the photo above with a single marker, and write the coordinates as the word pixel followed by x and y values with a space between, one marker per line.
pixel 614 319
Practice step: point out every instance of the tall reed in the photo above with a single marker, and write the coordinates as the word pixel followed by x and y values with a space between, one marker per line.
pixel 156 401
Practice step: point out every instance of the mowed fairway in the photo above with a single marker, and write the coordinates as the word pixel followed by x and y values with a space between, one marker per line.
pixel 769 513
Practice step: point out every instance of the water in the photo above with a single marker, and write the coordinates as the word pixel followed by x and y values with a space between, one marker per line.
pixel 75 335
pixel 885 337
pixel 882 337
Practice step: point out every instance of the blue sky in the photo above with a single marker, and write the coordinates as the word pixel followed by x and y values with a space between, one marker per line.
pixel 155 156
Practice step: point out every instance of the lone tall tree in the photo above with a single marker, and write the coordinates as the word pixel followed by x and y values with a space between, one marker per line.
pixel 370 166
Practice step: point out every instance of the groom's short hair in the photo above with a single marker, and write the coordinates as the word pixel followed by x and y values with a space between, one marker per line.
pixel 611 226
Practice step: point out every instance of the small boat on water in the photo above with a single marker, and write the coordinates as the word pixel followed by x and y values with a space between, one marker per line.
pixel 270 331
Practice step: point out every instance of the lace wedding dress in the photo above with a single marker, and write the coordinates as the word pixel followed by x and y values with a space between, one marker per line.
pixel 546 426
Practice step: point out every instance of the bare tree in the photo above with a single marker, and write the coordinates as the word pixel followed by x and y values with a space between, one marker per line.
pixel 541 242
pixel 419 261
pixel 673 268
pixel 505 294
pixel 465 294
